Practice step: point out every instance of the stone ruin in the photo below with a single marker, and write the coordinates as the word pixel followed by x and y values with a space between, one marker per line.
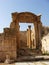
pixel 12 39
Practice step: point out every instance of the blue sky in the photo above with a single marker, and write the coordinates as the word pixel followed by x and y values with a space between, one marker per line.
pixel 34 6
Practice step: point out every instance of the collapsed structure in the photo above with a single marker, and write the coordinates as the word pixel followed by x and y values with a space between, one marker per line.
pixel 11 41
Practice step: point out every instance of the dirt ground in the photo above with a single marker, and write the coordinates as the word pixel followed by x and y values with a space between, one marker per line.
pixel 7 64
pixel 28 63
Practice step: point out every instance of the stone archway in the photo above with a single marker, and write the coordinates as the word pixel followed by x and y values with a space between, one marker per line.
pixel 27 17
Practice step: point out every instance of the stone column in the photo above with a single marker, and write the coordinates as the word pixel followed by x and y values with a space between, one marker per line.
pixel 39 25
pixel 39 28
pixel 29 36
pixel 27 39
pixel 36 34
pixel 15 26
pixel 17 33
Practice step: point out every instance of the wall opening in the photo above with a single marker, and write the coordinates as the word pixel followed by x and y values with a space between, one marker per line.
pixel 24 26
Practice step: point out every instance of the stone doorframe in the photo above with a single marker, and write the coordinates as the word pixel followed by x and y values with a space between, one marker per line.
pixel 27 17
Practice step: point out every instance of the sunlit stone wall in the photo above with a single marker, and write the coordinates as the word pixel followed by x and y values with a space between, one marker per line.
pixel 45 44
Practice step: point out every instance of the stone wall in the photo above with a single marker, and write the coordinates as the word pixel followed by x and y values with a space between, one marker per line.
pixel 45 44
pixel 23 39
pixel 8 45
pixel 8 42
pixel 45 30
pixel 45 40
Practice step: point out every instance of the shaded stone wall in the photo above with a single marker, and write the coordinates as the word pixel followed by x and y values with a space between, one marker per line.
pixel 23 39
pixel 1 46
pixel 45 30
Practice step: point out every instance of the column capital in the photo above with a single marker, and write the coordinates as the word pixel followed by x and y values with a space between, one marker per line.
pixel 29 26
pixel 19 26
pixel 27 29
